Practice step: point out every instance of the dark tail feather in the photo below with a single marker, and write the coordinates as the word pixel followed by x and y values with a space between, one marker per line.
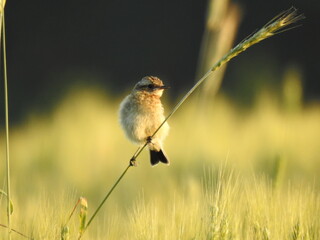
pixel 156 157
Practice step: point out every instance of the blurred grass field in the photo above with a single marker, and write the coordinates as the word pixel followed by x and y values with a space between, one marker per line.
pixel 234 174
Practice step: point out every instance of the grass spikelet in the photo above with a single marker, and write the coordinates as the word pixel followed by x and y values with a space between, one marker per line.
pixel 83 215
pixel 276 25
pixel 65 233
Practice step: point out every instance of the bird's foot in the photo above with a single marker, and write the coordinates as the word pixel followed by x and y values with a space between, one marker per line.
pixel 133 162
pixel 149 139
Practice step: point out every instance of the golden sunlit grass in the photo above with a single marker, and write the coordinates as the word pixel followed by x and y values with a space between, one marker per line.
pixel 79 150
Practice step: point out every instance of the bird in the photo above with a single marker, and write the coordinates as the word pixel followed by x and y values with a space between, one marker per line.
pixel 141 113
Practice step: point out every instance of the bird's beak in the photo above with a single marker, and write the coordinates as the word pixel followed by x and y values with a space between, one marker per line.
pixel 163 87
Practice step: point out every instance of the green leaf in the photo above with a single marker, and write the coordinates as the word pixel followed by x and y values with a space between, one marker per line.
pixel 11 204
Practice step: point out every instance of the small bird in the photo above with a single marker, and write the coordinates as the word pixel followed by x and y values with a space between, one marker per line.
pixel 141 113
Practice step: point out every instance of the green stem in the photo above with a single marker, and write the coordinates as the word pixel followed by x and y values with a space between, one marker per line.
pixel 13 230
pixel 6 123
pixel 105 199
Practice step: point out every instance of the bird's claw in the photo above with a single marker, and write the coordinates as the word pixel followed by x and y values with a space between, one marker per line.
pixel 133 162
pixel 149 139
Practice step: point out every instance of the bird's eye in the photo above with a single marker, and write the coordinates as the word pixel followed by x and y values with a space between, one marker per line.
pixel 150 86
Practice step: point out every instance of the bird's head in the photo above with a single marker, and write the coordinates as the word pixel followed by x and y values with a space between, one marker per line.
pixel 150 85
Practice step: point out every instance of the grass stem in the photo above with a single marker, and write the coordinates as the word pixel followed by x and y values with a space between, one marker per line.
pixel 13 230
pixel 105 199
pixel 5 77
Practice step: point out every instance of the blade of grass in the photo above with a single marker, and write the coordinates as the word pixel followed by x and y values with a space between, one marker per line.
pixel 11 204
pixel 6 123
pixel 273 27
pixel 222 23
pixel 105 199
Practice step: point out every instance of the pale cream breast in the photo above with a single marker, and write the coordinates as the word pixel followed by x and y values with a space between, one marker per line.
pixel 140 116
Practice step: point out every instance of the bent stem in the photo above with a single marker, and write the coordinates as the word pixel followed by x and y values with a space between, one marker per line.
pixel 276 25
pixel 13 230
pixel 105 199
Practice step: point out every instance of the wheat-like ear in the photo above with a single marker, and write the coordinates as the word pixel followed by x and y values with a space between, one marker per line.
pixel 277 25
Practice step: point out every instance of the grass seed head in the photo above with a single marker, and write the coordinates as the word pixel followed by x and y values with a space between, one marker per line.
pixel 83 214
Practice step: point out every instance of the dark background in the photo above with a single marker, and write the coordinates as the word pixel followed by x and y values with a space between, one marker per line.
pixel 51 45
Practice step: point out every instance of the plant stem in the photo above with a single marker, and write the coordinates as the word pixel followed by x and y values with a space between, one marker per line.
pixel 7 124
pixel 105 199
pixel 13 230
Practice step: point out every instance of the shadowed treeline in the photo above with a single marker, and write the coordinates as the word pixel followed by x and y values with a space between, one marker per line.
pixel 55 44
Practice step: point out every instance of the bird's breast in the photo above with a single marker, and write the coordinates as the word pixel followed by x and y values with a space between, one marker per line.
pixel 141 116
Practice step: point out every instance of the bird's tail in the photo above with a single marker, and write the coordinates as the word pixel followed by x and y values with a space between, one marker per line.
pixel 158 156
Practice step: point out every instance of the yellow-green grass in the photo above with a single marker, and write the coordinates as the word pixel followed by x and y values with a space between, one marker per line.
pixel 234 174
